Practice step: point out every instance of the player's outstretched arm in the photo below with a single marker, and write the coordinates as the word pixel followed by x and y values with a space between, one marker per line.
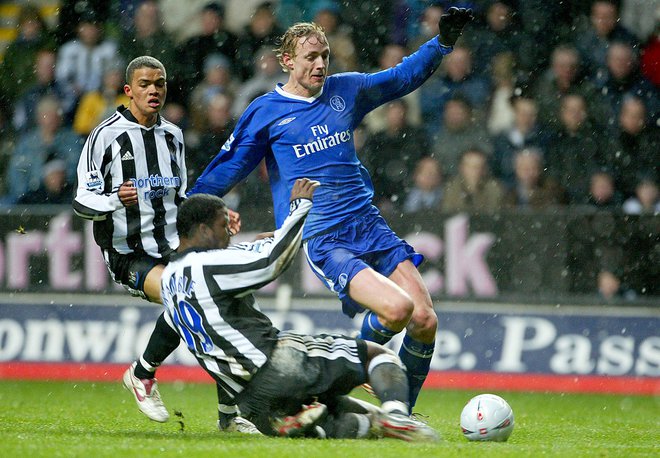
pixel 451 25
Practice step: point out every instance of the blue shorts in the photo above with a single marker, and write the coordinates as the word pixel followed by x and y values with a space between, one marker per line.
pixel 364 242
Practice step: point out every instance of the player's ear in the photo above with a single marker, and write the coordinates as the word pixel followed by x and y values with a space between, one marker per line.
pixel 127 91
pixel 287 59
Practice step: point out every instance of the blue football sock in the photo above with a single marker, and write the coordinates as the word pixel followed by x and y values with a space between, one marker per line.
pixel 416 356
pixel 374 331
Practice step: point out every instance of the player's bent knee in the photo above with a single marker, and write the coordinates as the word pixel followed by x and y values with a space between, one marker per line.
pixel 424 324
pixel 400 312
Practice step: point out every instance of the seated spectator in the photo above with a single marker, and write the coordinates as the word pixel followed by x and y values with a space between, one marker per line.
pixel 263 30
pixel 267 73
pixel 531 188
pixel 390 56
pixel 473 190
pixel 498 34
pixel 610 287
pixel 500 116
pixel 459 132
pixel 604 29
pixel 622 78
pixel 48 141
pixel 575 149
pixel 646 200
pixel 426 192
pixel 82 62
pixel 149 38
pixel 640 17
pixel 426 26
pixel 55 189
pixel 563 78
pixel 650 57
pixel 17 67
pixel 214 38
pixel 391 154
pixel 45 85
pixel 524 133
pixel 204 144
pixel 602 193
pixel 636 146
pixel 217 80
pixel 95 106
pixel 455 76
pixel 344 55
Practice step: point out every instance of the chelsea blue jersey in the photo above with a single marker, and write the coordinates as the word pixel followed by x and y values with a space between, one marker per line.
pixel 312 137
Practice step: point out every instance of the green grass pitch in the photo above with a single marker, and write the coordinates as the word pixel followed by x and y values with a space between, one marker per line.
pixel 68 419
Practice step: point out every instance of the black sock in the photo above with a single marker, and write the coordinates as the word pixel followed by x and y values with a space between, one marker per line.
pixel 162 343
pixel 389 382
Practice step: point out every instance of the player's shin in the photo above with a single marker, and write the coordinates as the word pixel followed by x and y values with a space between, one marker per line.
pixel 163 341
pixel 416 356
pixel 374 331
pixel 388 381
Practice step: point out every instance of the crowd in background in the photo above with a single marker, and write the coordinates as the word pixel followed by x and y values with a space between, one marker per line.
pixel 541 104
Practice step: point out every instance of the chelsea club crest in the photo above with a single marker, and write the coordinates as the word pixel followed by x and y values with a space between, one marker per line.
pixel 337 103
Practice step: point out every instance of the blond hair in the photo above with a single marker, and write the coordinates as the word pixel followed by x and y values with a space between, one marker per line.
pixel 289 40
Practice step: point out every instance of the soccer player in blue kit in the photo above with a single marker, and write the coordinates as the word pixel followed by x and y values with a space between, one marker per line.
pixel 304 128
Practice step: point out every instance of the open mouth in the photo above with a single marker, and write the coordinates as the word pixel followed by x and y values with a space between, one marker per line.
pixel 153 103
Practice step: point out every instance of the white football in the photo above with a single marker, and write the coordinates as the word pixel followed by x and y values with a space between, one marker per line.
pixel 487 417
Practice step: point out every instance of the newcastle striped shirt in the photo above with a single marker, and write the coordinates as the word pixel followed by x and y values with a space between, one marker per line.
pixel 208 296
pixel 153 158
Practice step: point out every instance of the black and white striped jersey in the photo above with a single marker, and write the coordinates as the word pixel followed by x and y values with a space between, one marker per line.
pixel 120 149
pixel 208 296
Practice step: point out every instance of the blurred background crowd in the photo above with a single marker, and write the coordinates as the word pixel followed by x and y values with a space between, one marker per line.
pixel 542 105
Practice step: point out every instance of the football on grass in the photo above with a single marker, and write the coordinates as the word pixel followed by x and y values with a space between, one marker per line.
pixel 487 417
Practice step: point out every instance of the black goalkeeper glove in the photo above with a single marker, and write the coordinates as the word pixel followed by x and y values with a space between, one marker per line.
pixel 451 25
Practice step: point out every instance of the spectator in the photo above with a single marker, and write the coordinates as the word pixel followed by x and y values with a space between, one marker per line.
pixel 45 85
pixel 499 34
pixel 70 12
pixel 95 106
pixel 459 132
pixel 473 190
pixel 263 30
pixel 344 53
pixel 427 25
pixel 17 67
pixel 635 148
pixel 500 116
pixel 82 62
pixel 204 144
pixel 390 56
pixel 213 39
pixel 604 29
pixel 646 200
pixel 391 154
pixel 611 288
pixel 455 77
pixel 148 38
pixel 575 149
pixel 602 193
pixel 55 189
pixel 622 78
pixel 562 78
pixel 288 12
pixel 650 60
pixel 524 133
pixel 640 17
pixel 426 192
pixel 217 80
pixel 7 146
pixel 48 141
pixel 531 188
pixel 267 73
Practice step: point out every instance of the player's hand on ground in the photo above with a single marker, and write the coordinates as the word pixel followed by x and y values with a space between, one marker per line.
pixel 451 25
pixel 304 188
pixel 127 193
pixel 234 222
